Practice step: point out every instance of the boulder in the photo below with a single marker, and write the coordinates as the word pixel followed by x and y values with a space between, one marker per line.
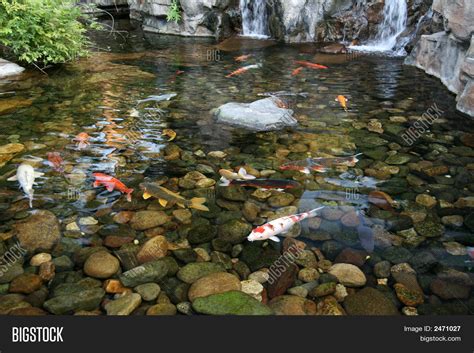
pixel 261 115
pixel 8 68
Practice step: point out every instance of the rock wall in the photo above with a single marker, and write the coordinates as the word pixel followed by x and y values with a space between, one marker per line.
pixel 449 54
pixel 200 18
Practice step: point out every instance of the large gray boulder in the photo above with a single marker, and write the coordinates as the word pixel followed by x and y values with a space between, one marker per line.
pixel 200 18
pixel 261 115
pixel 8 68
pixel 449 54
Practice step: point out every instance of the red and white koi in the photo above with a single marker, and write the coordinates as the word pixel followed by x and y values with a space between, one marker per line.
pixel 280 226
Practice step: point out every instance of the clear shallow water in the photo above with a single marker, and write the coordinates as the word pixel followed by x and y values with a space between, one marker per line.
pixel 99 96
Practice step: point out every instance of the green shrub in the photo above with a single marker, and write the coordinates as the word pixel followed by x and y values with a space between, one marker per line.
pixel 174 13
pixel 43 32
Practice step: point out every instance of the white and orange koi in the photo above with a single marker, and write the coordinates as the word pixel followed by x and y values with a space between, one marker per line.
pixel 279 226
pixel 243 69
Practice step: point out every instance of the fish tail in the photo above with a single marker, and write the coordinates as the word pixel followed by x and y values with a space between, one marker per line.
pixel 224 182
pixel 314 213
pixel 197 204
pixel 244 175
pixel 129 195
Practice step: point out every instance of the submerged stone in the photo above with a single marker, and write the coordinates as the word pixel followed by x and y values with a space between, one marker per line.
pixel 261 115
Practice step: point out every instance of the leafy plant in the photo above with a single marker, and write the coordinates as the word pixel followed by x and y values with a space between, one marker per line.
pixel 43 32
pixel 174 12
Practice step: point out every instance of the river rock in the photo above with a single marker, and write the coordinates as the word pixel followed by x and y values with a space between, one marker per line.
pixel 230 303
pixel 40 258
pixel 348 275
pixel 214 283
pixel 39 231
pixel 408 297
pixel 154 249
pixel 144 220
pixel 88 299
pixel 252 288
pixel 11 272
pixel 101 265
pixel 234 231
pixel 162 309
pixel 448 290
pixel 149 272
pixel 194 271
pixel 292 305
pixel 369 302
pixel 123 306
pixel 8 68
pixel 329 306
pixel 261 115
pixel 26 283
pixel 11 148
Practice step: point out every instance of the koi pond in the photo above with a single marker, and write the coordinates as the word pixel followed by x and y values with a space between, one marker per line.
pixel 144 203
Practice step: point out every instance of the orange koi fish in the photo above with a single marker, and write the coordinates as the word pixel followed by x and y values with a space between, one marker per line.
pixel 170 133
pixel 82 140
pixel 342 101
pixel 111 184
pixel 243 58
pixel 311 65
pixel 243 69
pixel 56 162
pixel 297 71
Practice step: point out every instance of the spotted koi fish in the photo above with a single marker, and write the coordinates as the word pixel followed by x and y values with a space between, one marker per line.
pixel 304 166
pixel 279 226
pixel 349 161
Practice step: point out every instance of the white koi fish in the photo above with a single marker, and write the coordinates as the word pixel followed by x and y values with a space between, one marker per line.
pixel 279 226
pixel 25 175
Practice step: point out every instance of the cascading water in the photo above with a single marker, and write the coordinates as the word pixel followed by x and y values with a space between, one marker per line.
pixel 395 14
pixel 254 18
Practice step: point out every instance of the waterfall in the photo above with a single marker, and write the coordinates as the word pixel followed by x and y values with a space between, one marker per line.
pixel 254 18
pixel 395 15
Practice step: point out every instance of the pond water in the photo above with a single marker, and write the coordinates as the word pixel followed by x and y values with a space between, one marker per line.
pixel 403 214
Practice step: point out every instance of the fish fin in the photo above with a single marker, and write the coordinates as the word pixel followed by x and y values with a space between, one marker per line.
pixel 197 204
pixel 110 187
pixel 224 182
pixel 13 178
pixel 129 195
pixel 96 184
pixel 244 175
pixel 163 202
pixel 146 196
pixel 275 239
pixel 306 171
pixel 38 174
pixel 314 213
pixel 280 190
